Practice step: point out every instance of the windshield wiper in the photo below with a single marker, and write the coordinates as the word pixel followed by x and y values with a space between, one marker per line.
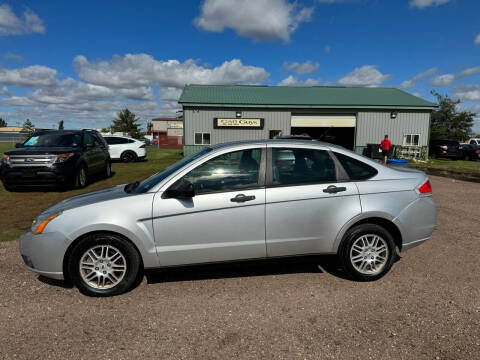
pixel 131 187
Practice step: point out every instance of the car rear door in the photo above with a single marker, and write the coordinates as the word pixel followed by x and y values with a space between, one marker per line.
pixel 225 220
pixel 308 200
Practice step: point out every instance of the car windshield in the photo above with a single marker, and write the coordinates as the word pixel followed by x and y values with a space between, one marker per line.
pixel 153 180
pixel 53 140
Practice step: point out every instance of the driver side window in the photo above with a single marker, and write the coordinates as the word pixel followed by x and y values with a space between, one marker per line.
pixel 228 172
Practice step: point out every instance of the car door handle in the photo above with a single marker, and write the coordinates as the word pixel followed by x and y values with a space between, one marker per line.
pixel 242 198
pixel 332 189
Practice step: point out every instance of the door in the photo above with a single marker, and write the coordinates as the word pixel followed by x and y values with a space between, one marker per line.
pixel 113 146
pixel 307 201
pixel 225 220
pixel 93 153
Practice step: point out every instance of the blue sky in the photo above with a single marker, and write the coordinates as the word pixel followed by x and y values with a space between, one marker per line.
pixel 83 61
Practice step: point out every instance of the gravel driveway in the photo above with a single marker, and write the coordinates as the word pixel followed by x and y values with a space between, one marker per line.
pixel 427 307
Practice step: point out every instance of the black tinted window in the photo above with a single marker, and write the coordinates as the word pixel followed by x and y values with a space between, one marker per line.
pixel 299 166
pixel 111 140
pixel 54 140
pixel 228 172
pixel 356 169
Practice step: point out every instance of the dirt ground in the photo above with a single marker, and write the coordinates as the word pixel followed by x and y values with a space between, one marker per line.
pixel 427 307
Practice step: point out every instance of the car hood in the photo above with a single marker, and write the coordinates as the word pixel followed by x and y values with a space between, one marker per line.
pixel 92 197
pixel 40 150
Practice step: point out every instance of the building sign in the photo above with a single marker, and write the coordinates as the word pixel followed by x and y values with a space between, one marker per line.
pixel 175 125
pixel 238 123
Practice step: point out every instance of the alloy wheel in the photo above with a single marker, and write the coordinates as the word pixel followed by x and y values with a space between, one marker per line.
pixel 369 254
pixel 102 267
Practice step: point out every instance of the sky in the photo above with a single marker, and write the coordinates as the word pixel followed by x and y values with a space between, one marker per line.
pixel 83 61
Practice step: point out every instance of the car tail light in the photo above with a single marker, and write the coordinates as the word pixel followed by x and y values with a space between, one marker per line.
pixel 425 188
pixel 477 151
pixel 460 148
pixel 142 146
pixel 444 147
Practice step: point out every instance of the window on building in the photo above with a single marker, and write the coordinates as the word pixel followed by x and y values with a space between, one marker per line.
pixel 228 172
pixel 411 140
pixel 302 166
pixel 202 139
pixel 274 133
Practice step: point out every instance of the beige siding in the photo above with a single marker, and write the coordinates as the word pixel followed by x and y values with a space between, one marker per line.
pixel 175 132
pixel 372 127
pixel 159 125
pixel 202 121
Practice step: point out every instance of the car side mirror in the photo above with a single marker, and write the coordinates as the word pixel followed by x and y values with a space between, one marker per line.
pixel 182 189
pixel 18 145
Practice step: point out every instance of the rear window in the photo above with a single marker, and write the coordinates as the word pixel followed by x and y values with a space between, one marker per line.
pixel 356 170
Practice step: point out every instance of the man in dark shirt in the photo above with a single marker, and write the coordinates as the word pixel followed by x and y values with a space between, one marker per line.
pixel 385 145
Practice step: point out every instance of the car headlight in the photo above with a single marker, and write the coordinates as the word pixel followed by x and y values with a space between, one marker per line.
pixel 6 159
pixel 39 224
pixel 63 157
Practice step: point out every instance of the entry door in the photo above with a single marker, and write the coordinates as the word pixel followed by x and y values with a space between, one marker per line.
pixel 306 204
pixel 225 220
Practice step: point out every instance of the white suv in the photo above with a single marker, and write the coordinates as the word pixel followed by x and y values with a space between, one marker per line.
pixel 474 141
pixel 125 149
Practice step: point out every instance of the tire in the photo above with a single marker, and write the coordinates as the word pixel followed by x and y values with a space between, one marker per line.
pixel 107 171
pixel 467 158
pixel 80 178
pixel 9 187
pixel 113 261
pixel 128 156
pixel 358 256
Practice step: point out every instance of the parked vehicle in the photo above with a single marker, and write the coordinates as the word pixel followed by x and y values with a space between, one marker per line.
pixel 294 137
pixel 471 152
pixel 125 148
pixel 56 158
pixel 236 201
pixel 445 149
pixel 474 141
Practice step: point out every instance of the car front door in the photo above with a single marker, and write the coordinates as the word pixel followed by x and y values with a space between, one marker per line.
pixel 225 220
pixel 308 200
pixel 113 147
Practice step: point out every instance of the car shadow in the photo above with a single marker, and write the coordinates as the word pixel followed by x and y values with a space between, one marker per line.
pixel 58 283
pixel 297 265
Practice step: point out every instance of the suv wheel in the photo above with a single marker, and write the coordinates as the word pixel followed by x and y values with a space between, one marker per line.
pixel 367 252
pixel 104 265
pixel 80 179
pixel 128 156
pixel 108 169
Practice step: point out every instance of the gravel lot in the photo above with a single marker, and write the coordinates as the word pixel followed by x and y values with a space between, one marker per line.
pixel 427 307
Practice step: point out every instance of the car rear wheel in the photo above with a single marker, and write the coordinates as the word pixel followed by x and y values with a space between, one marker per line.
pixel 128 156
pixel 104 265
pixel 80 179
pixel 107 172
pixel 367 252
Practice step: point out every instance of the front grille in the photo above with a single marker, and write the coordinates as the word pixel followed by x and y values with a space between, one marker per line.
pixel 31 160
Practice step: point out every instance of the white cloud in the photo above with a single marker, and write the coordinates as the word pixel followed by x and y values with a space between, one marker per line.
pixel 467 93
pixel 468 72
pixel 422 4
pixel 11 24
pixel 293 81
pixel 5 92
pixel 442 80
pixel 261 20
pixel 407 84
pixel 306 67
pixel 13 57
pixel 31 76
pixel 170 94
pixel 134 70
pixel 477 40
pixel 367 75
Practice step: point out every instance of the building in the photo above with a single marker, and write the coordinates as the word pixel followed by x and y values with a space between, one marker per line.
pixel 12 134
pixel 349 116
pixel 167 132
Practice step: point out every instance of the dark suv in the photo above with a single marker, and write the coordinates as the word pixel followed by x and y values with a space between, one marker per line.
pixel 56 158
pixel 446 149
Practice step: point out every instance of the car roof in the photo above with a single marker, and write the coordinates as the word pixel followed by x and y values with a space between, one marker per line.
pixel 290 142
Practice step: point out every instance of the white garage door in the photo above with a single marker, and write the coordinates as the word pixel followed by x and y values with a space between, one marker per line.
pixel 323 121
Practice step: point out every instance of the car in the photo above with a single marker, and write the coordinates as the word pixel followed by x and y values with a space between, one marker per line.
pixel 236 201
pixel 471 152
pixel 294 137
pixel 474 141
pixel 66 158
pixel 445 149
pixel 125 149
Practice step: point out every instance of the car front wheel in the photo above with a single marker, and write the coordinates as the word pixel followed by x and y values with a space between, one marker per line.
pixel 104 265
pixel 367 252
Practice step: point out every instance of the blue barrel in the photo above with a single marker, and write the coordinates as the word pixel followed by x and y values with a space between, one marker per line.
pixel 397 162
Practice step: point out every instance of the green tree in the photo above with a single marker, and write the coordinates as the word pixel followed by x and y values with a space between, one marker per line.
pixel 3 123
pixel 105 130
pixel 448 122
pixel 28 126
pixel 126 122
pixel 149 127
pixel 60 125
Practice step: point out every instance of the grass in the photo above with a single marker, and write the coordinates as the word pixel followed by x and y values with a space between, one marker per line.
pixel 468 170
pixel 18 209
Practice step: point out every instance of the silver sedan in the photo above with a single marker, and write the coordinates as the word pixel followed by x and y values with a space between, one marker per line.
pixel 236 201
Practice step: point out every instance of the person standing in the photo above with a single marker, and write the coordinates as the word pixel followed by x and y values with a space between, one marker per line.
pixel 385 146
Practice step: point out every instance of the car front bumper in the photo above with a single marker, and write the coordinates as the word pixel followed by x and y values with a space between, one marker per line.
pixel 36 176
pixel 44 253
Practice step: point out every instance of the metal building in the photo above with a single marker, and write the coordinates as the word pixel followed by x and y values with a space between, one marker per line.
pixel 349 116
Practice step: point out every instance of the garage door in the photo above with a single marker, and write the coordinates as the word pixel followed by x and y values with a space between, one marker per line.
pixel 323 121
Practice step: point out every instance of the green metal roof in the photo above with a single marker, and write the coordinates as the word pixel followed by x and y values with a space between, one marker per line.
pixel 300 97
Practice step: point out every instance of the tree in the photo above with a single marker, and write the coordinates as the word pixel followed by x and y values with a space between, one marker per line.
pixel 448 123
pixel 149 127
pixel 126 122
pixel 3 123
pixel 105 130
pixel 60 125
pixel 28 126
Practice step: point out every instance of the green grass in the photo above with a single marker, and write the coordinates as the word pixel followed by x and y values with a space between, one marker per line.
pixel 449 167
pixel 18 209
